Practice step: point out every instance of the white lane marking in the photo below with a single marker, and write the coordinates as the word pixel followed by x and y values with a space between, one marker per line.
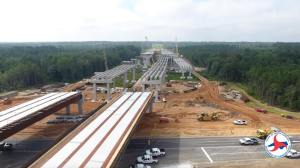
pixel 207 155
pixel 237 153
pixel 295 141
pixel 228 146
pixel 241 160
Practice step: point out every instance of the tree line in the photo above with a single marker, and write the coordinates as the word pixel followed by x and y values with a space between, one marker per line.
pixel 270 71
pixel 30 65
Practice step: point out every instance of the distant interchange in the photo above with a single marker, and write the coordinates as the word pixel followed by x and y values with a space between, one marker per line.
pixel 167 60
pixel 159 61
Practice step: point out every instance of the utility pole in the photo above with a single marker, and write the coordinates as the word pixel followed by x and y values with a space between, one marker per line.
pixel 146 42
pixel 105 58
pixel 177 53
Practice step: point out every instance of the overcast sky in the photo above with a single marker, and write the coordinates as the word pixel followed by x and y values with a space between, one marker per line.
pixel 132 20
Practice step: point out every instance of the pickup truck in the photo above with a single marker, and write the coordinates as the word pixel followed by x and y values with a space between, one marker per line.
pixel 146 159
pixel 4 146
pixel 293 154
pixel 249 141
pixel 155 152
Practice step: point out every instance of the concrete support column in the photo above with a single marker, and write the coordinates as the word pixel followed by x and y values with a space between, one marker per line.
pixel 125 80
pixel 143 88
pixel 79 104
pixel 156 93
pixel 182 75
pixel 108 91
pixel 133 75
pixel 114 84
pixel 150 107
pixel 94 92
pixel 190 75
pixel 68 109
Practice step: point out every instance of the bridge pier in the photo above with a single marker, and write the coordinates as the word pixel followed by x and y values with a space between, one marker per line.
pixel 190 75
pixel 108 95
pixel 94 99
pixel 125 80
pixel 68 109
pixel 182 75
pixel 79 104
pixel 150 106
pixel 133 76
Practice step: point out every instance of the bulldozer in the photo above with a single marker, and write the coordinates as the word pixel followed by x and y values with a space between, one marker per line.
pixel 262 134
pixel 207 117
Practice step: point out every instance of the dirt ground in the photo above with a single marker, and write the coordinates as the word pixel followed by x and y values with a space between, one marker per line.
pixel 184 107
pixel 42 130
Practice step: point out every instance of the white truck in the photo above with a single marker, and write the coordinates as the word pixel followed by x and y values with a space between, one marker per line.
pixel 4 146
pixel 293 154
pixel 240 122
pixel 249 141
pixel 155 152
pixel 146 159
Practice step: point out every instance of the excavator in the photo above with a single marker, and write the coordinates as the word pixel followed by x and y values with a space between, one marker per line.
pixel 209 117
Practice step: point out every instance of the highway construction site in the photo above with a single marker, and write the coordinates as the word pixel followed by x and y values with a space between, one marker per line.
pixel 184 106
pixel 182 110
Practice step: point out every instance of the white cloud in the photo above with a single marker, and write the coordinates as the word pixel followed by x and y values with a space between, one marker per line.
pixel 196 20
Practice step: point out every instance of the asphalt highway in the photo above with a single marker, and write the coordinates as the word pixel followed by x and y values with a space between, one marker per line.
pixel 181 152
pixel 23 151
pixel 188 152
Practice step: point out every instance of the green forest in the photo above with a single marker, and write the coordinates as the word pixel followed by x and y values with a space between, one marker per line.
pixel 270 71
pixel 24 65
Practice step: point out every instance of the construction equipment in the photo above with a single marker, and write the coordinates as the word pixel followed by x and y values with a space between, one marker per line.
pixel 262 134
pixel 6 101
pixel 208 117
pixel 261 110
pixel 287 116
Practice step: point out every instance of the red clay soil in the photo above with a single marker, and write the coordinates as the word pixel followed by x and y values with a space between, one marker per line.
pixel 183 108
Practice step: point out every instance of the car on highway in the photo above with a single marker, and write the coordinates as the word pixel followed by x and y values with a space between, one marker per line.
pixel 293 154
pixel 249 141
pixel 4 146
pixel 139 165
pixel 146 159
pixel 156 152
pixel 240 122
